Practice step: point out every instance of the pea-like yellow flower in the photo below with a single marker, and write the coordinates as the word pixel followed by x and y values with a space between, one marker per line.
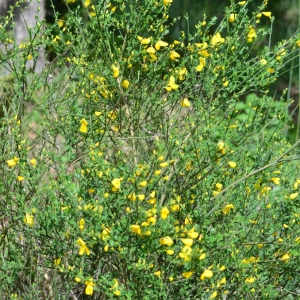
pixel 136 229
pixel 125 84
pixel 187 242
pixel 251 35
pixel 225 83
pixel 232 18
pixel 217 39
pixel 206 274
pixel 160 44
pixel 170 252
pixel 174 55
pixel 29 220
pixel 20 178
pixel 202 256
pixel 293 196
pixel 166 241
pixel 232 164
pixel 267 14
pixel 116 183
pixel 187 274
pixel 143 183
pixel 276 180
pixel 213 295
pixel 57 261
pixel 151 51
pixel 83 126
pixel 227 208
pixel 185 103
pixel 263 62
pixel 172 85
pixel 81 224
pixel 167 2
pixel 83 247
pixel 144 41
pixel 89 290
pixel 33 161
pixel 116 71
pixel 157 273
pixel 12 162
pixel 164 213
pixel 285 257
pixel 250 279
pixel 242 3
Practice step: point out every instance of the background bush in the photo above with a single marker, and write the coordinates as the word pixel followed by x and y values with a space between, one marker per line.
pixel 134 166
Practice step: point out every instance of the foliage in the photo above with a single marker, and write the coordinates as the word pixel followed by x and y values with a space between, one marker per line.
pixel 132 166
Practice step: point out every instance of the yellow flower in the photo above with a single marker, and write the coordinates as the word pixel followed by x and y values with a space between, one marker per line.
pixel 187 242
pixel 157 273
pixel 12 162
pixel 174 55
pixel 143 183
pixel 151 51
pixel 83 247
pixel 29 57
pixel 232 164
pixel 29 220
pixel 81 224
pixel 222 268
pixel 223 280
pixel 232 18
pixel 164 213
pixel 187 274
pixel 166 241
pixel 167 2
pixel 141 197
pixel 227 208
pixel 89 287
pixel 213 295
pixel 172 85
pixel 293 196
pixel 170 252
pixel 33 161
pixel 116 70
pixel 219 186
pixel 263 62
pixel 77 279
pixel 125 84
pixel 267 14
pixel 202 256
pixel 216 39
pixel 136 229
pixel 160 44
pixel 250 280
pixel 57 261
pixel 242 3
pixel 285 257
pixel 186 253
pixel 83 126
pixel 144 41
pixel 225 83
pixel 116 183
pixel 163 164
pixel 20 178
pixel 206 274
pixel 275 180
pixel 185 103
pixel 251 35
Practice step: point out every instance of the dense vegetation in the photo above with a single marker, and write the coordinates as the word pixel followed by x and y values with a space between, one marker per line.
pixel 138 167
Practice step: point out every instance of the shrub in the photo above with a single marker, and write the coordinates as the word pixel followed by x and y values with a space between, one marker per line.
pixel 140 169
